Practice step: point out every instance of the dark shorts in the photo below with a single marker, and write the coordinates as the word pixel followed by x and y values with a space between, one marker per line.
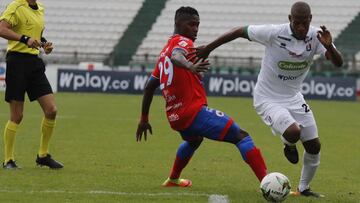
pixel 25 73
pixel 209 123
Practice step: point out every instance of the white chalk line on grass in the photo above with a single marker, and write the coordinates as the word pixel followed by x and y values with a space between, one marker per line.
pixel 213 198
pixel 218 199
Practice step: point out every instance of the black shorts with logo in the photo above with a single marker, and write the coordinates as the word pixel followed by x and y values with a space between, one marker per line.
pixel 25 73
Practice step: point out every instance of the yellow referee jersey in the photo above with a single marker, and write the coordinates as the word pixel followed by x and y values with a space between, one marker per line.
pixel 24 21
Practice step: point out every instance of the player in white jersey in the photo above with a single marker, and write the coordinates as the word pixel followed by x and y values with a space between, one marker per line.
pixel 289 51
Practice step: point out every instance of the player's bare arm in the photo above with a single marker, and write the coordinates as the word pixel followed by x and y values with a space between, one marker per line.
pixel 179 59
pixel 144 124
pixel 332 53
pixel 202 52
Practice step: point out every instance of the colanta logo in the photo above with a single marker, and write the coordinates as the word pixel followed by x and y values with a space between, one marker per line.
pixel 287 65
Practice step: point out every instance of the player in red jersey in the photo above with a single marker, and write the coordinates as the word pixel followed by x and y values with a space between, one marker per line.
pixel 180 81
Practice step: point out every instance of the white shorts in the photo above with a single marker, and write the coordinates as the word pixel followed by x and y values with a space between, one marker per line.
pixel 280 114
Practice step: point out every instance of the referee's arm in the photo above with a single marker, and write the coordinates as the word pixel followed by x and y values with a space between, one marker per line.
pixel 47 46
pixel 7 33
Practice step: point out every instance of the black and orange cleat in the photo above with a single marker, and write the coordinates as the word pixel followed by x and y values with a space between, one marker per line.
pixel 307 193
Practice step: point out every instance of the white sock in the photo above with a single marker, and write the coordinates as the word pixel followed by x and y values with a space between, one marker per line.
pixel 310 164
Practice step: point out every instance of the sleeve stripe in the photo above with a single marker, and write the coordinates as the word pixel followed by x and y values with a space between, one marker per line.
pixel 152 77
pixel 246 32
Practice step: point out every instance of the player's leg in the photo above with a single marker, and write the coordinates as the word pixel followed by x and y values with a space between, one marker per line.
pixel 311 160
pixel 249 152
pixel 216 125
pixel 48 106
pixel 16 115
pixel 39 89
pixel 47 103
pixel 276 116
pixel 14 95
pixel 192 140
pixel 310 139
pixel 289 138
pixel 183 156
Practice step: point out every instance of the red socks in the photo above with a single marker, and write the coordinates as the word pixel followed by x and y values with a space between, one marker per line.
pixel 179 165
pixel 256 162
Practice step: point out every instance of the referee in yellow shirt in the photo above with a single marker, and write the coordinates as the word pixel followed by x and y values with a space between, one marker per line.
pixel 22 24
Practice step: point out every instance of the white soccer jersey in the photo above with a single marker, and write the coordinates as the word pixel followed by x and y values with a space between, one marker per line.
pixel 286 61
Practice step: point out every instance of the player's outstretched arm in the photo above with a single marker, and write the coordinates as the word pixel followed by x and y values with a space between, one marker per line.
pixel 332 53
pixel 144 124
pixel 179 59
pixel 203 52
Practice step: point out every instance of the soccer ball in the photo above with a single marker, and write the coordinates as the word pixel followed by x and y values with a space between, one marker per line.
pixel 275 187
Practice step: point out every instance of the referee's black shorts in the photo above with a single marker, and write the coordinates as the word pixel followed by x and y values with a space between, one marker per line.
pixel 25 73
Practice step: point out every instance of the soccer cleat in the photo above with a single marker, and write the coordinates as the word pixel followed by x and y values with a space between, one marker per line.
pixel 48 161
pixel 307 193
pixel 291 153
pixel 177 183
pixel 10 165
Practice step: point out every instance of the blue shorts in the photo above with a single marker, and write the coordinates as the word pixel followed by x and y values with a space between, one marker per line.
pixel 209 123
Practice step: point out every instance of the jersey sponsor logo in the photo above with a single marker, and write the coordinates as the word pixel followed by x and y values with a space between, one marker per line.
pixel 169 98
pixel 175 106
pixel 289 77
pixel 284 77
pixel 292 66
pixel 173 117
pixel 183 43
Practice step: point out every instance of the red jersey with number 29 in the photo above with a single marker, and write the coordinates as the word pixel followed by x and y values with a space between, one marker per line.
pixel 183 90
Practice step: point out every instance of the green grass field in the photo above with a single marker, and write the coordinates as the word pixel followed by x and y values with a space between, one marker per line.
pixel 95 139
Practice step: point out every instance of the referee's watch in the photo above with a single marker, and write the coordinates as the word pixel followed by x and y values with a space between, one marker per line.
pixel 24 39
